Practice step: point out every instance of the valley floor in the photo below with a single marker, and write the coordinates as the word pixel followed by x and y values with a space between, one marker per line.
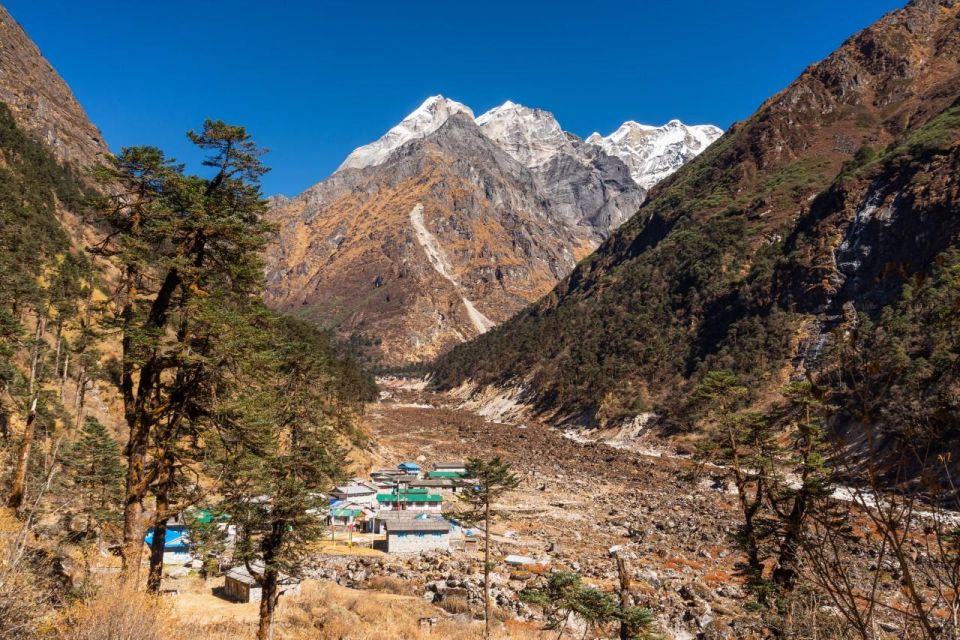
pixel 576 501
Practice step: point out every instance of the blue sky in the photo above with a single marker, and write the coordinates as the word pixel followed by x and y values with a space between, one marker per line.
pixel 314 79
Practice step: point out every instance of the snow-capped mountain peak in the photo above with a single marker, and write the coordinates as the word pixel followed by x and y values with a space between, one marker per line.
pixel 531 136
pixel 423 121
pixel 653 153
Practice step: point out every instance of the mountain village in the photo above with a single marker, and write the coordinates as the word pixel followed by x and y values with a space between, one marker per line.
pixel 487 378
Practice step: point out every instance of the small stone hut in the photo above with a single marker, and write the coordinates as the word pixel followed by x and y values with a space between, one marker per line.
pixel 240 586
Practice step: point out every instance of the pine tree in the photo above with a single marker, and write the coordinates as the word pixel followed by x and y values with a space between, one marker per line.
pixel 745 442
pixel 282 450
pixel 200 239
pixel 564 595
pixel 492 480
pixel 95 468
pixel 804 416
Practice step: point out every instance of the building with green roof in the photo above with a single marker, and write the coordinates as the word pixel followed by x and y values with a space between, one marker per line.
pixel 413 499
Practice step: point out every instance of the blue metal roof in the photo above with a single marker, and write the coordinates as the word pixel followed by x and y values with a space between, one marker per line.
pixel 174 540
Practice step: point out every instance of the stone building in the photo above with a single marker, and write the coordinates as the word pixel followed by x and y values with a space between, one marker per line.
pixel 417 534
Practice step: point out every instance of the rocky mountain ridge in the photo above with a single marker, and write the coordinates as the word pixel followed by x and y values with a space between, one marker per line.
pixel 655 153
pixel 445 226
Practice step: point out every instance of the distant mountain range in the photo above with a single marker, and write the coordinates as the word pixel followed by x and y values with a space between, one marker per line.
pixel 450 224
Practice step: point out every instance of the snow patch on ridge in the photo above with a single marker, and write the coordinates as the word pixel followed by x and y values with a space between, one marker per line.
pixel 533 137
pixel 438 259
pixel 654 153
pixel 427 118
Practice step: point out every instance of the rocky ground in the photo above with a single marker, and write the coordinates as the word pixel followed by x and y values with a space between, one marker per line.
pixel 576 501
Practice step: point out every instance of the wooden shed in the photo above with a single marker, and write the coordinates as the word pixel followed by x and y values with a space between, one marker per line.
pixel 240 586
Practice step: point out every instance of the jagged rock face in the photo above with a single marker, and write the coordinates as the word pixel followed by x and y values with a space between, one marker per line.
pixel 531 136
pixel 761 245
pixel 446 226
pixel 655 153
pixel 447 237
pixel 41 101
pixel 585 186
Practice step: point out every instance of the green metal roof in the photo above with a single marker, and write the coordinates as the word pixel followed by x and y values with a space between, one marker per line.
pixel 411 495
pixel 205 516
pixel 345 513
pixel 446 474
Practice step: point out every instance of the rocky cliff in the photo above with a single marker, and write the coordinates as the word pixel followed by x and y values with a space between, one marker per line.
pixel 41 102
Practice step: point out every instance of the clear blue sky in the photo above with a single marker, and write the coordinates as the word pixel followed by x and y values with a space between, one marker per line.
pixel 313 79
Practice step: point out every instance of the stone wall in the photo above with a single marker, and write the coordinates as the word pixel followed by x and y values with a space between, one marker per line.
pixel 417 541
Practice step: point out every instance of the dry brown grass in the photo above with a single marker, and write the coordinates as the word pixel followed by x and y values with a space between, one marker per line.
pixel 455 605
pixel 341 548
pixel 390 584
pixel 118 613
pixel 326 611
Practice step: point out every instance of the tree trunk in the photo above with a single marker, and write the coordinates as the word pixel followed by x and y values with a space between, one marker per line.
pixel 63 376
pixel 486 572
pixel 56 359
pixel 133 529
pixel 268 603
pixel 162 493
pixel 786 572
pixel 139 420
pixel 626 631
pixel 157 544
pixel 81 398
pixel 35 359
pixel 269 579
pixel 17 487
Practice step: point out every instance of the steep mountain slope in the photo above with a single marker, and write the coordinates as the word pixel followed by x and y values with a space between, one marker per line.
pixel 445 226
pixel 41 102
pixel 46 144
pixel 428 117
pixel 837 192
pixel 584 185
pixel 427 249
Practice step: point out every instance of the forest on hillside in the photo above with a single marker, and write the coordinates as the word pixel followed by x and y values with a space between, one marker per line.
pixel 141 376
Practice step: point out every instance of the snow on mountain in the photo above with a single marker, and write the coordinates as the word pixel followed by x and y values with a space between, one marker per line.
pixel 531 136
pixel 653 153
pixel 428 117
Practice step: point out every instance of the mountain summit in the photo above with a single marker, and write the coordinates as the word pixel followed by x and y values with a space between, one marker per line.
pixel 654 153
pixel 427 118
pixel 446 226
pixel 530 136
